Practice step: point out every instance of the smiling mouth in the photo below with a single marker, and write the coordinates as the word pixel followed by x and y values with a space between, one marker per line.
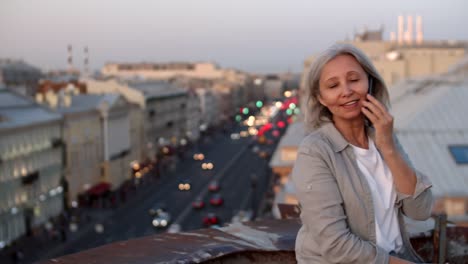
pixel 350 103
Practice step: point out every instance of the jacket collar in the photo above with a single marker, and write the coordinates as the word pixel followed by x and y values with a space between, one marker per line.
pixel 338 142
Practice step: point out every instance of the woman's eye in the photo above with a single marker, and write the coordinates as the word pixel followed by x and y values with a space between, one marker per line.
pixel 333 85
pixel 355 80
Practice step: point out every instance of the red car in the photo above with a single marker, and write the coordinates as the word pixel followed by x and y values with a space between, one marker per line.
pixel 210 220
pixel 214 186
pixel 198 203
pixel 216 200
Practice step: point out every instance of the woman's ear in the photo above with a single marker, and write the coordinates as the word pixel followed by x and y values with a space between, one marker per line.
pixel 319 98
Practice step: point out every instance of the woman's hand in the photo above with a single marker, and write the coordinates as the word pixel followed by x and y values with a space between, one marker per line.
pixel 382 121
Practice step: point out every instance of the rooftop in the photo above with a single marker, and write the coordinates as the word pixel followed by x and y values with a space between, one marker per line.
pixel 266 241
pixel 19 111
pixel 157 89
pixel 430 115
pixel 88 102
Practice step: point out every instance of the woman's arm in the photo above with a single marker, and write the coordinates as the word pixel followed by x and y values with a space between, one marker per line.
pixel 323 215
pixel 412 187
pixel 404 177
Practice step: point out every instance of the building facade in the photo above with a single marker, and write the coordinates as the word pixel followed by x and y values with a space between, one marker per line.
pixel 209 107
pixel 165 115
pixel 98 136
pixel 193 114
pixel 162 71
pixel 31 164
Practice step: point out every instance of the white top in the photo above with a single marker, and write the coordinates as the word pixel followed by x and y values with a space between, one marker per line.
pixel 380 181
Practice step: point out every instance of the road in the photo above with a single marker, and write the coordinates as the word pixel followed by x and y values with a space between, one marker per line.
pixel 236 167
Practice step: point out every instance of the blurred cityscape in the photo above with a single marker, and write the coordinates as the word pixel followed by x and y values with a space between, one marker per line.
pixel 142 148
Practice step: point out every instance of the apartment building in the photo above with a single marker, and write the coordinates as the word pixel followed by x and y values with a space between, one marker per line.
pixel 97 134
pixel 32 185
pixel 165 114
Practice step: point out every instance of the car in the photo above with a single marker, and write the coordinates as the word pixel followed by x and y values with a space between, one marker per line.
pixel 174 228
pixel 207 165
pixel 244 133
pixel 161 220
pixel 198 203
pixel 264 154
pixel 235 136
pixel 198 156
pixel 185 185
pixel 213 186
pixel 210 219
pixel 157 208
pixel 216 200
pixel 255 149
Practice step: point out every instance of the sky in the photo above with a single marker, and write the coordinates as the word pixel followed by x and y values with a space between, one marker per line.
pixel 262 36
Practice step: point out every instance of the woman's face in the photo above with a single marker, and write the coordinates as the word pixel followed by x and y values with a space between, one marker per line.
pixel 343 88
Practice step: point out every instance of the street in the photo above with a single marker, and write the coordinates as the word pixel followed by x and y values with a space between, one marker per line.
pixel 242 175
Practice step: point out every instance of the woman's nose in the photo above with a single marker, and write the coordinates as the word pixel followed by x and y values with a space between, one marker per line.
pixel 347 90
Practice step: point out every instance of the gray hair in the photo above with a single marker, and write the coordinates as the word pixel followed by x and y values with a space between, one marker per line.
pixel 317 114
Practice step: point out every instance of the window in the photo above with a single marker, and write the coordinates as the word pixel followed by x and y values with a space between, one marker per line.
pixel 459 154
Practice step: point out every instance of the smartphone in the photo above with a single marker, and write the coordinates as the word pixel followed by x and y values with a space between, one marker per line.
pixel 371 85
pixel 370 91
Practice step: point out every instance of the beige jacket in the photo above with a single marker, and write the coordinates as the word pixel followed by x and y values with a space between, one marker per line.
pixel 336 203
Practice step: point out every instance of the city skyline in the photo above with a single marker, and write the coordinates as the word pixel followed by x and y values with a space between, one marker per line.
pixel 265 36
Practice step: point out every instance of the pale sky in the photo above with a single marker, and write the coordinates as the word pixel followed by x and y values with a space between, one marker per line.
pixel 251 35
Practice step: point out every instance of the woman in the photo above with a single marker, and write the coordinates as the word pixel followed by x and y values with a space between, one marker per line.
pixel 353 180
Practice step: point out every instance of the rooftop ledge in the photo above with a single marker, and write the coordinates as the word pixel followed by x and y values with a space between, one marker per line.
pixel 266 241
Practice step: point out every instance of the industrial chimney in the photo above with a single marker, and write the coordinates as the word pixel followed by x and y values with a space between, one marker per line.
pixel 70 59
pixel 86 62
pixel 400 29
pixel 409 30
pixel 419 31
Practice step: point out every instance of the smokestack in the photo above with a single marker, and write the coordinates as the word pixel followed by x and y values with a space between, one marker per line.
pixel 70 59
pixel 400 29
pixel 409 30
pixel 419 30
pixel 86 62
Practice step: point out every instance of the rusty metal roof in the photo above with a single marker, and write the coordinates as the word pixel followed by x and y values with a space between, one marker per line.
pixel 197 246
pixel 266 241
